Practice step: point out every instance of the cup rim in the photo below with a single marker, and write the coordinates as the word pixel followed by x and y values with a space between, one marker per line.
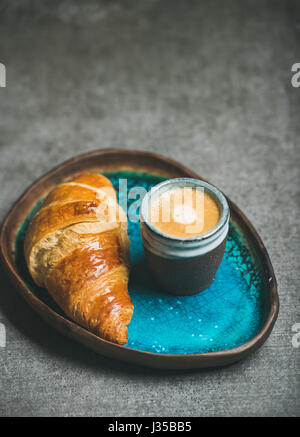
pixel 182 182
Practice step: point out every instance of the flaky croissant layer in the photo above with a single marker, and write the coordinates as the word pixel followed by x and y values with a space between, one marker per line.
pixel 78 248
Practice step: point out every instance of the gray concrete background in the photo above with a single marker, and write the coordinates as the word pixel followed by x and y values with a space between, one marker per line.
pixel 207 83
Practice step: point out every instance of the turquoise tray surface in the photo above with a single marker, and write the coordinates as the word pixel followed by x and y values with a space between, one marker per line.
pixel 226 315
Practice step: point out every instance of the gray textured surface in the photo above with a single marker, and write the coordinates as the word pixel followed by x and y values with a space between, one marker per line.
pixel 207 83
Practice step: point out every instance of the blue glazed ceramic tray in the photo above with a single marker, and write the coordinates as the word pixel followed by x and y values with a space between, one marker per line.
pixel 231 313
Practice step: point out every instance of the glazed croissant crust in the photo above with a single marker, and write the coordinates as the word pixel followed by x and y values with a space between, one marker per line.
pixel 78 248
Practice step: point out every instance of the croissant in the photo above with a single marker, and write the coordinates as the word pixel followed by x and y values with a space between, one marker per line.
pixel 78 248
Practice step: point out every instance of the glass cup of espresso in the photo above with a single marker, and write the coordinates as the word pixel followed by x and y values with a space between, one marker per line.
pixel 184 227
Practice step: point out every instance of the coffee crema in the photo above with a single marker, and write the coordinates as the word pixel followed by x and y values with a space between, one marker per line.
pixel 184 212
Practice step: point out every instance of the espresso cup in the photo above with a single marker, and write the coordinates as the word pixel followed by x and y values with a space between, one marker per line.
pixel 184 265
